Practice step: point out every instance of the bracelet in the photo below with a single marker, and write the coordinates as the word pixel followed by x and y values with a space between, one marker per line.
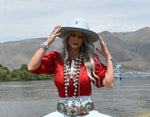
pixel 44 45
pixel 109 59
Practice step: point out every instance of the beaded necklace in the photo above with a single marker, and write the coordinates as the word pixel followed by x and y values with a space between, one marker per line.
pixel 72 73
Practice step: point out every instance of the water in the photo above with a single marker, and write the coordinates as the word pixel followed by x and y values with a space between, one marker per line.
pixel 38 98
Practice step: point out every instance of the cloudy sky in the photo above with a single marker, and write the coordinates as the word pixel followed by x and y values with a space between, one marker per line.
pixel 24 19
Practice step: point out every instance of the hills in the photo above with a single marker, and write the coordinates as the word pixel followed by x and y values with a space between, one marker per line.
pixel 130 49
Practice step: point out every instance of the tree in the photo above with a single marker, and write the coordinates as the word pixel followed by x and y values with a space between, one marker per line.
pixel 21 74
pixel 24 67
pixel 5 68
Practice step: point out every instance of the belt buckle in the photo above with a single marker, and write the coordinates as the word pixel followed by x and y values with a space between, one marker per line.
pixel 74 110
pixel 82 111
pixel 71 110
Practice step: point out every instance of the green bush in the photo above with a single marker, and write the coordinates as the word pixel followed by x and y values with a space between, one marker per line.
pixel 21 74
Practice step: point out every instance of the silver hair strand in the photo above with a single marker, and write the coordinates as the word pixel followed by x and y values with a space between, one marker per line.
pixel 88 55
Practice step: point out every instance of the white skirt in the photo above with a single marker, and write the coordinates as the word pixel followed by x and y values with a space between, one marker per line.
pixel 84 99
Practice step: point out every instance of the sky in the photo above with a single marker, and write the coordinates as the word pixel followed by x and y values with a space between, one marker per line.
pixel 26 19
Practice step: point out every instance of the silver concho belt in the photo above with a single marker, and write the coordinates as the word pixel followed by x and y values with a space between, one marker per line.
pixel 75 110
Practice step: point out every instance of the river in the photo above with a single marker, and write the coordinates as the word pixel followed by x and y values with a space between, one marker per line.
pixel 38 98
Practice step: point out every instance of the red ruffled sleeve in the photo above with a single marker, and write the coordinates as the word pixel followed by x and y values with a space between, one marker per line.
pixel 100 70
pixel 47 64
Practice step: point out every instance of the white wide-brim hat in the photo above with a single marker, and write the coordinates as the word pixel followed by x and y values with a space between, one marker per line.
pixel 81 25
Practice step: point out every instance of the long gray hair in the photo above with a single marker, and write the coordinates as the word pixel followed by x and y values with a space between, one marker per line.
pixel 87 51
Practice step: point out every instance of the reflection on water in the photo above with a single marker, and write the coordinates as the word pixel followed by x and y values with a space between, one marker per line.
pixel 38 98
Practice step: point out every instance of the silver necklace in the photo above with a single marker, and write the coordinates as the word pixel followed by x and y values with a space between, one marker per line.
pixel 72 73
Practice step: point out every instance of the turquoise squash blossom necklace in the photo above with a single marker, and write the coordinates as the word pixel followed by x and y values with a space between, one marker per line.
pixel 72 72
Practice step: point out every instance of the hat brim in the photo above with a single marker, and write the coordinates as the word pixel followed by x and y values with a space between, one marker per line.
pixel 92 36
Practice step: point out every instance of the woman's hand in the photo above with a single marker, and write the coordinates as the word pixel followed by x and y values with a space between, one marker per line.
pixel 54 34
pixel 109 75
pixel 104 51
pixel 37 58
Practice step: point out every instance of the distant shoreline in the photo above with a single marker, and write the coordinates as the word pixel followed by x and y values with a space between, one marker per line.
pixel 21 74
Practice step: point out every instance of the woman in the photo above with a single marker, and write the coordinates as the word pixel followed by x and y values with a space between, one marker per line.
pixel 75 68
